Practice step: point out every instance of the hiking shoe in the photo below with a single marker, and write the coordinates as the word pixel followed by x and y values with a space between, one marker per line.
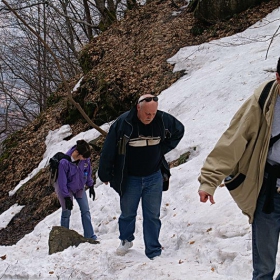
pixel 123 248
pixel 155 257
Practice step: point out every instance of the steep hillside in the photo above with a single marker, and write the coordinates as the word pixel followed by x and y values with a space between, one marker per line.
pixel 121 64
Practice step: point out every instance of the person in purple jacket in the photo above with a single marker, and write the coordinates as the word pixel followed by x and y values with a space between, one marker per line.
pixel 73 176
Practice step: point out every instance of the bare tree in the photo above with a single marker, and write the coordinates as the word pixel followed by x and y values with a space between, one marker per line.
pixel 30 71
pixel 70 97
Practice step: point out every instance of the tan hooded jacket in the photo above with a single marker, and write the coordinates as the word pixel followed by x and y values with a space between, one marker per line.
pixel 241 152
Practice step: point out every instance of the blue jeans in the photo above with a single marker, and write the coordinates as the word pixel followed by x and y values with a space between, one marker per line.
pixel 85 214
pixel 265 235
pixel 148 188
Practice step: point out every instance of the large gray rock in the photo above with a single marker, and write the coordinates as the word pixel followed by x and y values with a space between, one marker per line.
pixel 60 238
pixel 215 10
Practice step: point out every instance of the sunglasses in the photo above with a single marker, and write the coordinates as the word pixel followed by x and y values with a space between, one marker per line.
pixel 149 99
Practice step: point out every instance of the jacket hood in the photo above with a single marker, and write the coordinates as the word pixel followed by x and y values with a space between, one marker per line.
pixel 69 152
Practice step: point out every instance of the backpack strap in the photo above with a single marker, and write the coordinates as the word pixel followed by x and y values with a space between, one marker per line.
pixel 273 140
pixel 262 99
pixel 265 93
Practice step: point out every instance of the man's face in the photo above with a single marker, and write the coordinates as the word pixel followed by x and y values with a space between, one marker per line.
pixel 146 111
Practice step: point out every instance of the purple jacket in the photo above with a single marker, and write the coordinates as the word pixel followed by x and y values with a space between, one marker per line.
pixel 72 178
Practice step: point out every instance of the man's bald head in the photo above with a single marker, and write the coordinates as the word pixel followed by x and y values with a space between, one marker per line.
pixel 147 108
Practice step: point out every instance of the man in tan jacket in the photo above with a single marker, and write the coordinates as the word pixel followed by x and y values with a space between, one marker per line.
pixel 247 159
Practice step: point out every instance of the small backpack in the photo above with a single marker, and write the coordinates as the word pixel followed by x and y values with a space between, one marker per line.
pixel 53 166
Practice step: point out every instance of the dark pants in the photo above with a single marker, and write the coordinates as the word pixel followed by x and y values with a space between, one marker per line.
pixel 265 236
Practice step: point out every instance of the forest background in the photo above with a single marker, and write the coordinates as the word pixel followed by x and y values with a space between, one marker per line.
pixel 117 50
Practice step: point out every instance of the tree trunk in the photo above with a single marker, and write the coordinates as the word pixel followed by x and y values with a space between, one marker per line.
pixel 88 20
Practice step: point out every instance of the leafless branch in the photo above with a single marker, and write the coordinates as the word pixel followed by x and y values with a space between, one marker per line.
pixel 273 36
pixel 70 97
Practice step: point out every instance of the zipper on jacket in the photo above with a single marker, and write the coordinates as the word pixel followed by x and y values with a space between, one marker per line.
pixel 124 158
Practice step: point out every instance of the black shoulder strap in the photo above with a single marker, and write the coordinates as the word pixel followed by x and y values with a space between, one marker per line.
pixel 265 93
pixel 273 140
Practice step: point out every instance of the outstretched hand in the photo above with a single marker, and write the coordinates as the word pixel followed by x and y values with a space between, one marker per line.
pixel 204 196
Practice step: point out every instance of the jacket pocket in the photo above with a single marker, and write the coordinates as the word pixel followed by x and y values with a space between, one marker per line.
pixel 122 145
pixel 232 182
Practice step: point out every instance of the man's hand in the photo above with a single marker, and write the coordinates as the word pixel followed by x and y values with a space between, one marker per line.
pixel 92 192
pixel 68 203
pixel 204 196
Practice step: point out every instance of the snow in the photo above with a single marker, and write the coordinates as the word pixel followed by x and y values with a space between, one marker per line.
pixel 201 241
